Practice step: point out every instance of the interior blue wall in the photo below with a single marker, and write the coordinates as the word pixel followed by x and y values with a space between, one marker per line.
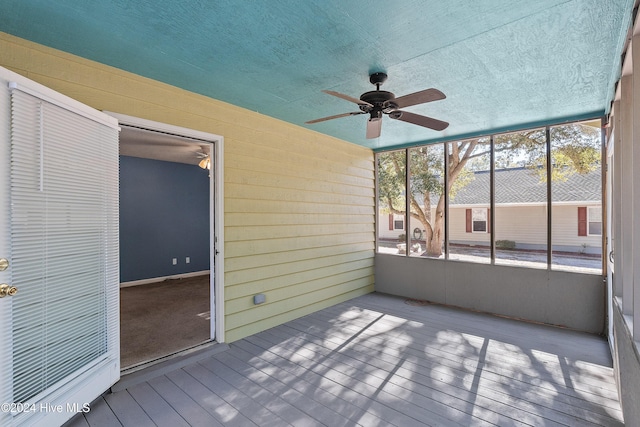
pixel 164 214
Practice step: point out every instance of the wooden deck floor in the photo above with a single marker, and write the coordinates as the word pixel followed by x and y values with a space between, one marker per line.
pixel 379 361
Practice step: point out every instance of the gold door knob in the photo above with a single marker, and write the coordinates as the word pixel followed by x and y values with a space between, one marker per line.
pixel 6 290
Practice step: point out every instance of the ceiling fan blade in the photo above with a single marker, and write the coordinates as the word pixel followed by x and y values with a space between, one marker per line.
pixel 374 126
pixel 337 116
pixel 419 120
pixel 421 97
pixel 347 97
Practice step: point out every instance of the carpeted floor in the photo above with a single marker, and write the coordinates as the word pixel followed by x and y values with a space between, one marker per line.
pixel 158 319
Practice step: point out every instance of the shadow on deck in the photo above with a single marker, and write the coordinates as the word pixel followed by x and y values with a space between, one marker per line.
pixel 381 360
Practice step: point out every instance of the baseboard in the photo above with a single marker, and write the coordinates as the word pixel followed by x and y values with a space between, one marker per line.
pixel 162 279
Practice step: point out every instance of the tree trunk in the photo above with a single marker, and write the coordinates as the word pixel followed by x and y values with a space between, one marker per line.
pixel 434 241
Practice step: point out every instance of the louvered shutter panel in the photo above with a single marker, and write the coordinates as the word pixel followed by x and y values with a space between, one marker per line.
pixel 391 222
pixel 582 221
pixel 469 219
pixel 64 234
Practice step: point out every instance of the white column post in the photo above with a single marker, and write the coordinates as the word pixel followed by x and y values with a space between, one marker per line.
pixel 635 295
pixel 626 188
pixel 616 196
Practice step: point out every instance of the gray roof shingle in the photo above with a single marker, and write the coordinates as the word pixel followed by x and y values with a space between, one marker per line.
pixel 523 185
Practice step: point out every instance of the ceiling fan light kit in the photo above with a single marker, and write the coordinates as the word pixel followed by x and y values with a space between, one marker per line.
pixel 205 163
pixel 378 102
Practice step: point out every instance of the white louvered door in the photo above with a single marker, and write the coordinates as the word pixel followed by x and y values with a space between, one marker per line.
pixel 63 261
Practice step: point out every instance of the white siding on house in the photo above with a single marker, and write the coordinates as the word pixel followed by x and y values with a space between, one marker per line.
pixel 526 225
pixel 458 227
pixel 564 231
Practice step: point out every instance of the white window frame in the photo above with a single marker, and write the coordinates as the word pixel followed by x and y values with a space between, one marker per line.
pixel 397 218
pixel 474 213
pixel 589 220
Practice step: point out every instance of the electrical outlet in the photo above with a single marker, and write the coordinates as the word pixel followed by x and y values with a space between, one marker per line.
pixel 175 261
pixel 187 260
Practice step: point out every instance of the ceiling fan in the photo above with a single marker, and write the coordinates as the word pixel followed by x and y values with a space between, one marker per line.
pixel 378 102
pixel 205 159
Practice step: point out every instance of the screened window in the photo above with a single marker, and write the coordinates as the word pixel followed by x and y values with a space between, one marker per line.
pixel 469 181
pixel 530 198
pixel 426 200
pixel 392 202
pixel 576 197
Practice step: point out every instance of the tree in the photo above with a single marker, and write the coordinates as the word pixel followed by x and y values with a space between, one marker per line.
pixel 575 148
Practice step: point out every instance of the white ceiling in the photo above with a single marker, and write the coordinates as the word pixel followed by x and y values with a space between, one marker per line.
pixel 147 144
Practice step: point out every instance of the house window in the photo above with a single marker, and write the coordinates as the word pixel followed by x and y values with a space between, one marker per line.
pixel 477 220
pixel 594 218
pixel 398 224
pixel 590 221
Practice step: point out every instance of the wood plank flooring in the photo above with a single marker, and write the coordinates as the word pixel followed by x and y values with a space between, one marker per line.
pixel 379 360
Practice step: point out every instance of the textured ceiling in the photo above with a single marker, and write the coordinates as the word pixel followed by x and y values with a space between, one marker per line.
pixel 502 64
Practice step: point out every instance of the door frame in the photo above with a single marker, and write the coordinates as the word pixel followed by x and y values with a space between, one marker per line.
pixel 216 209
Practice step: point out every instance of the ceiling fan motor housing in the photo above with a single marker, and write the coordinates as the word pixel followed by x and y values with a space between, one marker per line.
pixel 380 99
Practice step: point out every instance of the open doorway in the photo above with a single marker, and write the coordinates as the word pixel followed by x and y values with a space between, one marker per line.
pixel 167 241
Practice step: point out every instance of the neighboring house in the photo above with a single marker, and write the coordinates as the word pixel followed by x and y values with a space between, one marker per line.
pixel 521 212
